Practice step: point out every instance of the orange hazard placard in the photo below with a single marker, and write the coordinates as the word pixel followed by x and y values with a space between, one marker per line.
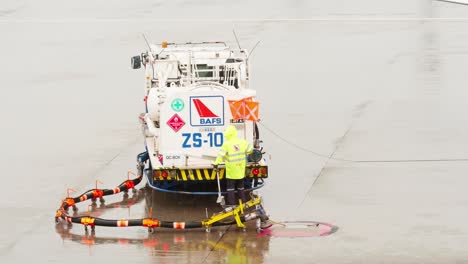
pixel 251 111
pixel 237 109
pixel 245 109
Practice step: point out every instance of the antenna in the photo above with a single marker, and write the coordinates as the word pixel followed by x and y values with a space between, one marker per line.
pixel 149 50
pixel 237 40
pixel 146 40
pixel 251 51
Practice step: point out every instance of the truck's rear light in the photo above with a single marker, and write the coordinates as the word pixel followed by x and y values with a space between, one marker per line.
pixel 264 171
pixel 255 171
pixel 164 174
pixel 157 173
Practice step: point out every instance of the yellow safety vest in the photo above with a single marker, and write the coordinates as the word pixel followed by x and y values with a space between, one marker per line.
pixel 234 153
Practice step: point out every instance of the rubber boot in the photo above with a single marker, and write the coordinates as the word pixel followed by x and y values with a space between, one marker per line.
pixel 242 195
pixel 265 221
pixel 230 198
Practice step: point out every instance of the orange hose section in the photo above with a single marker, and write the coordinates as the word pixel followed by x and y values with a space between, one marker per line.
pixel 130 184
pixel 69 201
pixel 87 221
pixel 179 225
pixel 122 223
pixel 58 214
pixel 150 222
pixel 98 193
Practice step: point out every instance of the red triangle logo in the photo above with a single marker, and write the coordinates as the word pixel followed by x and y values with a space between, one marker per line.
pixel 202 109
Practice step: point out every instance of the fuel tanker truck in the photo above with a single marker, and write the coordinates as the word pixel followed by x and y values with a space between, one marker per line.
pixel 193 91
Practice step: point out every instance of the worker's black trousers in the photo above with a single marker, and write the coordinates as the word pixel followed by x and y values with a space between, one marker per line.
pixel 231 186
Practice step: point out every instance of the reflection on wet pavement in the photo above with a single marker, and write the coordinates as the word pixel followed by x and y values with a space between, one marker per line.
pixel 223 244
pixel 300 229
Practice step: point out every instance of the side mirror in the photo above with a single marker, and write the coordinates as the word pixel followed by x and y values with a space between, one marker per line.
pixel 136 62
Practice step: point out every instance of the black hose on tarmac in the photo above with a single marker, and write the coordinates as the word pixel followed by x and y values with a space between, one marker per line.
pixel 62 212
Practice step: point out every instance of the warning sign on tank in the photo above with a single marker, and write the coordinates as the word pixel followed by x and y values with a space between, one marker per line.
pixel 175 122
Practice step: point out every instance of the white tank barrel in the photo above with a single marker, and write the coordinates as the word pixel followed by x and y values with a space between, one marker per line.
pixel 153 102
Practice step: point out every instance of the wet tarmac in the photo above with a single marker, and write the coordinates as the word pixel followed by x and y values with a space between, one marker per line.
pixel 378 86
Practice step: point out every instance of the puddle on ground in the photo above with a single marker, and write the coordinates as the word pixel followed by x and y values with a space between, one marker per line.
pixel 300 229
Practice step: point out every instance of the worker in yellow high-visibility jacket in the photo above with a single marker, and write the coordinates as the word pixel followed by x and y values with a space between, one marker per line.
pixel 234 153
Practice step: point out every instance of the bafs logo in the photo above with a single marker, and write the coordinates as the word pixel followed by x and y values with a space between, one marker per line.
pixel 207 110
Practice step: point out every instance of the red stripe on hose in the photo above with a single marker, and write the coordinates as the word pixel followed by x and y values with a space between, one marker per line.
pixel 130 184
pixel 98 193
pixel 122 223
pixel 179 225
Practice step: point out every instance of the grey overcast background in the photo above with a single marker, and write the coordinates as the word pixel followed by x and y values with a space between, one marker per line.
pixel 381 84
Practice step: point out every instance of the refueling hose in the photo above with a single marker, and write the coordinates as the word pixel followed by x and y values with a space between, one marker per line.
pixel 98 193
pixel 151 223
